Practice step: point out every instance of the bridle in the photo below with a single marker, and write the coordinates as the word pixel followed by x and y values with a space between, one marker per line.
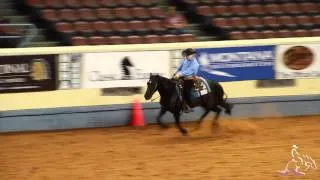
pixel 154 98
pixel 154 90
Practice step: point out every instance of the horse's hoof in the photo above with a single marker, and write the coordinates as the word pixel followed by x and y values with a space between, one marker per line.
pixel 216 124
pixel 184 132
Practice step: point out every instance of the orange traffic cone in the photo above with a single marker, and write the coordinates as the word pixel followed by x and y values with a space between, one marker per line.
pixel 137 118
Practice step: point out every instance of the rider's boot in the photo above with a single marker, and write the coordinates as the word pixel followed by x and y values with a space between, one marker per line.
pixel 186 108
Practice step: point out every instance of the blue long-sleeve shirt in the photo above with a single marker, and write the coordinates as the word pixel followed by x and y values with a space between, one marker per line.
pixel 189 67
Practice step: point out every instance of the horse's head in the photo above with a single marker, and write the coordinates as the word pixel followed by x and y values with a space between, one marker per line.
pixel 152 86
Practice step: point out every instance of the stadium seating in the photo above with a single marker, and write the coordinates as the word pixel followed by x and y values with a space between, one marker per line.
pixel 97 22
pixel 255 19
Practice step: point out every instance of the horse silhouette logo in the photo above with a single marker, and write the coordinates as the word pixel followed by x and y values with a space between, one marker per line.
pixel 298 161
pixel 125 64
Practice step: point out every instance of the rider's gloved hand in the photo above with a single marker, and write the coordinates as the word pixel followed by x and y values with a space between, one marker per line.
pixel 176 75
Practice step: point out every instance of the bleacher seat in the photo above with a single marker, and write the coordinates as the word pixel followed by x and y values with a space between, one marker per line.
pixel 134 40
pixel 187 37
pixel 138 27
pixel 79 41
pixel 169 38
pixel 236 35
pixel 104 14
pixel 140 13
pixel 90 4
pixel 115 40
pixel 86 14
pixel 55 4
pixel 68 15
pixel 269 34
pixel 156 26
pixel 102 28
pixel 150 39
pixel 315 32
pixel 96 40
pixel 11 34
pixel 50 15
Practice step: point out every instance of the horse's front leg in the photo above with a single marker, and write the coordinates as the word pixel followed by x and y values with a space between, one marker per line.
pixel 177 121
pixel 162 112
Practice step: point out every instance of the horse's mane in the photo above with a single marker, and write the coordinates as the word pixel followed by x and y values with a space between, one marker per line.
pixel 166 80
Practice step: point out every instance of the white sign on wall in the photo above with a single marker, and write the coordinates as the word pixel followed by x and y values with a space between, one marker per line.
pixel 69 71
pixel 176 60
pixel 297 61
pixel 123 69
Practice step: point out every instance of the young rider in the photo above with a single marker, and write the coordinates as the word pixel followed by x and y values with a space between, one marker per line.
pixel 187 70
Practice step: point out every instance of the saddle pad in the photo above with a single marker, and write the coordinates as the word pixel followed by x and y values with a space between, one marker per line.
pixel 204 89
pixel 204 86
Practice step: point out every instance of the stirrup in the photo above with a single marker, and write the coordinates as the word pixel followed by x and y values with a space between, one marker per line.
pixel 187 109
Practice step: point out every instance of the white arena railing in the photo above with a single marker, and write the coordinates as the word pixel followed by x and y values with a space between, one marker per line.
pixel 160 46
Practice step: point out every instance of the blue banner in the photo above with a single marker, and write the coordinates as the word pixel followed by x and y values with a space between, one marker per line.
pixel 237 63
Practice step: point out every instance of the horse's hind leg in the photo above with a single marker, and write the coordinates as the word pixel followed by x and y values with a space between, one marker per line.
pixel 215 123
pixel 177 121
pixel 162 112
pixel 202 118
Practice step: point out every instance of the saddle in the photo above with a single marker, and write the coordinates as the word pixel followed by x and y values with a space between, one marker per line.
pixel 199 87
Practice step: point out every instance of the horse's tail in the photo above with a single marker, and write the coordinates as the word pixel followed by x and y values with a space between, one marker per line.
pixel 221 96
pixel 226 105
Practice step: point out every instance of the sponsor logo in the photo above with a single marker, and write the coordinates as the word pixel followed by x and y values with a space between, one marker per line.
pixel 298 58
pixel 297 61
pixel 27 73
pixel 116 70
pixel 237 63
pixel 299 164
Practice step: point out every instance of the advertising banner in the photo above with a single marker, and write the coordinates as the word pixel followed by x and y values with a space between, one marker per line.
pixel 69 66
pixel 236 63
pixel 27 73
pixel 297 61
pixel 123 69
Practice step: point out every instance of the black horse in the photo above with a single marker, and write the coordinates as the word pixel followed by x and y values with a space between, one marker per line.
pixel 172 102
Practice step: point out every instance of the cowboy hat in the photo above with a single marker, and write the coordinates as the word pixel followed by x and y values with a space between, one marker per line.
pixel 188 52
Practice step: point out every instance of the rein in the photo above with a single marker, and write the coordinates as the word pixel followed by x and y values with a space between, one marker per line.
pixel 154 98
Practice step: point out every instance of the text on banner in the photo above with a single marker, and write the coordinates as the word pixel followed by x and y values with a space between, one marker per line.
pixel 236 63
pixel 123 69
pixel 27 73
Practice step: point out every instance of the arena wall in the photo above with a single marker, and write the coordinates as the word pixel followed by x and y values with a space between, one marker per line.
pixel 119 115
pixel 87 108
pixel 94 97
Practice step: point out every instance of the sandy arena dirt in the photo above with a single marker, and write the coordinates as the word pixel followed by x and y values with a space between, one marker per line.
pixel 241 149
